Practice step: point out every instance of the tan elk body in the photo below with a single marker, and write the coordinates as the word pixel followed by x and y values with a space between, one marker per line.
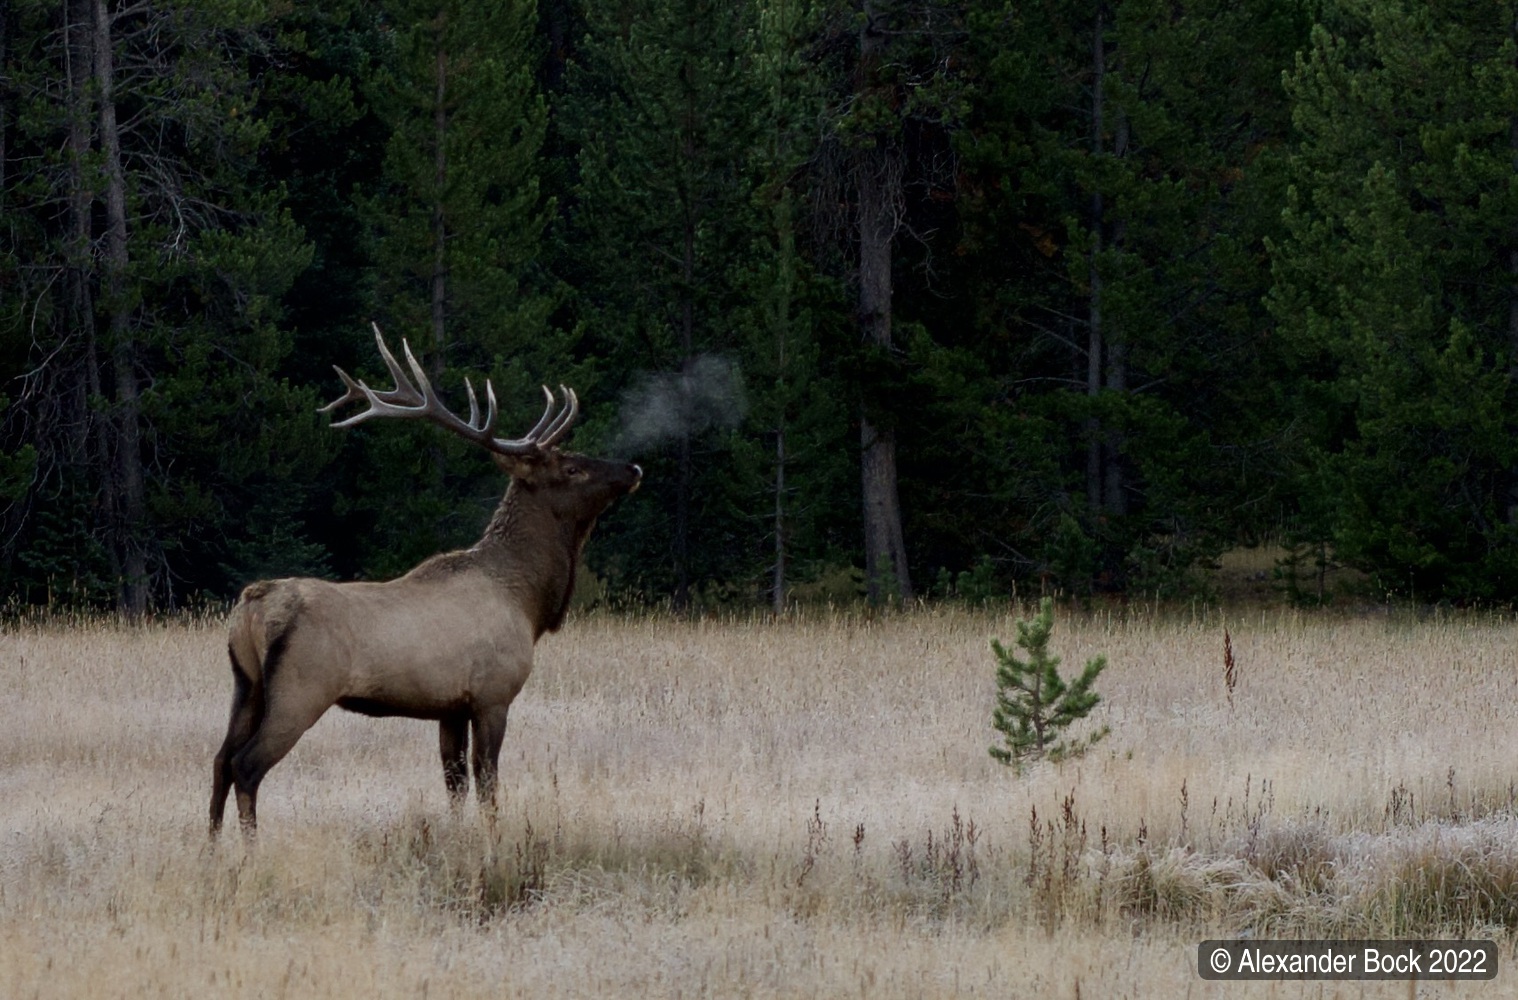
pixel 450 641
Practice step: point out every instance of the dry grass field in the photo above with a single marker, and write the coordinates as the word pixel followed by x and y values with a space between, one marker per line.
pixel 751 809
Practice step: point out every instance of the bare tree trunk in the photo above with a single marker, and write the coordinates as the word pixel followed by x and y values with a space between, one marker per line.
pixel 884 546
pixel 554 22
pixel 683 481
pixel 689 221
pixel 1094 344
pixel 5 97
pixel 92 445
pixel 439 233
pixel 1512 299
pixel 1115 486
pixel 782 329
pixel 885 558
pixel 131 526
pixel 1094 351
pixel 1116 493
pixel 777 580
pixel 786 280
pixel 1512 346
pixel 79 53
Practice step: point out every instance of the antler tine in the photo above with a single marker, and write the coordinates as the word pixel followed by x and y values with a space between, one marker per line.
pixel 474 404
pixel 379 407
pixel 533 441
pixel 480 433
pixel 353 393
pixel 492 411
pixel 415 397
pixel 404 392
pixel 402 401
pixel 428 395
pixel 564 421
pixel 548 408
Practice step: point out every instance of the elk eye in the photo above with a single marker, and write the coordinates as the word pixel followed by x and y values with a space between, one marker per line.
pixel 573 470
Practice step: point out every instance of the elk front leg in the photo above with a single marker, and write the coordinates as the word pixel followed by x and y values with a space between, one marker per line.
pixel 453 741
pixel 489 732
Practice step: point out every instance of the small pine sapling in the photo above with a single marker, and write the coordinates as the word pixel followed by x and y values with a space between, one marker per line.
pixel 1034 704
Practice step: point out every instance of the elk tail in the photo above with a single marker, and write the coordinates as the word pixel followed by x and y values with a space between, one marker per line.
pixel 252 652
pixel 261 626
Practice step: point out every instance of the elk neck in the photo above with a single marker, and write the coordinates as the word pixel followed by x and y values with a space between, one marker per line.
pixel 533 553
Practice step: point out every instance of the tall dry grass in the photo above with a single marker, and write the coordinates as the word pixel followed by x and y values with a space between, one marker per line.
pixel 769 809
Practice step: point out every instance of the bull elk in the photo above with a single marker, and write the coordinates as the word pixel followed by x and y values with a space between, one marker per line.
pixel 450 641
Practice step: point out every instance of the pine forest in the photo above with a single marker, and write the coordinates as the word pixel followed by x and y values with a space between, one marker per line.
pixel 890 299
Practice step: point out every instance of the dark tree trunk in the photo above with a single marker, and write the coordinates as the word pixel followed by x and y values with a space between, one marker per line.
pixel 690 220
pixel 91 446
pixel 1115 485
pixel 777 580
pixel 439 217
pixel 786 283
pixel 5 96
pixel 1512 303
pixel 884 546
pixel 439 234
pixel 1094 343
pixel 1512 346
pixel 1094 350
pixel 877 182
pixel 554 22
pixel 1115 488
pixel 131 520
pixel 683 481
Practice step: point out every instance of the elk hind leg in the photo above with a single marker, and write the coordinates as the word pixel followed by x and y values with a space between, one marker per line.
pixel 285 721
pixel 453 742
pixel 247 707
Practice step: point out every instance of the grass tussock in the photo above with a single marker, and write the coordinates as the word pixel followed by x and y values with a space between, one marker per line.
pixel 746 808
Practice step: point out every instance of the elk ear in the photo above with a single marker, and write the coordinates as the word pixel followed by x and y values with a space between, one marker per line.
pixel 515 466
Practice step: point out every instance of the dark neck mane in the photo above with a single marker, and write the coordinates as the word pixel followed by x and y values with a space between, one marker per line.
pixel 534 554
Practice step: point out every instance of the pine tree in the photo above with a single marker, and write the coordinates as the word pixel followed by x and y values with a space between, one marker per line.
pixel 891 72
pixel 458 221
pixel 1395 292
pixel 1034 704
pixel 788 469
pixel 1119 178
pixel 152 261
pixel 663 108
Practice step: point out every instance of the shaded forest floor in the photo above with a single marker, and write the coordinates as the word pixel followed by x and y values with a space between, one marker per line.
pixel 735 808
pixel 1264 576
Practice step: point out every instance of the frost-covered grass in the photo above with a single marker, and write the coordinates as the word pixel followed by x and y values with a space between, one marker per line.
pixel 750 808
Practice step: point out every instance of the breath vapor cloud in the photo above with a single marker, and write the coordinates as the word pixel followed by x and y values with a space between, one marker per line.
pixel 706 394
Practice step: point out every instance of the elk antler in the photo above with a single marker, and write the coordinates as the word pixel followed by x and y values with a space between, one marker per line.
pixel 406 400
